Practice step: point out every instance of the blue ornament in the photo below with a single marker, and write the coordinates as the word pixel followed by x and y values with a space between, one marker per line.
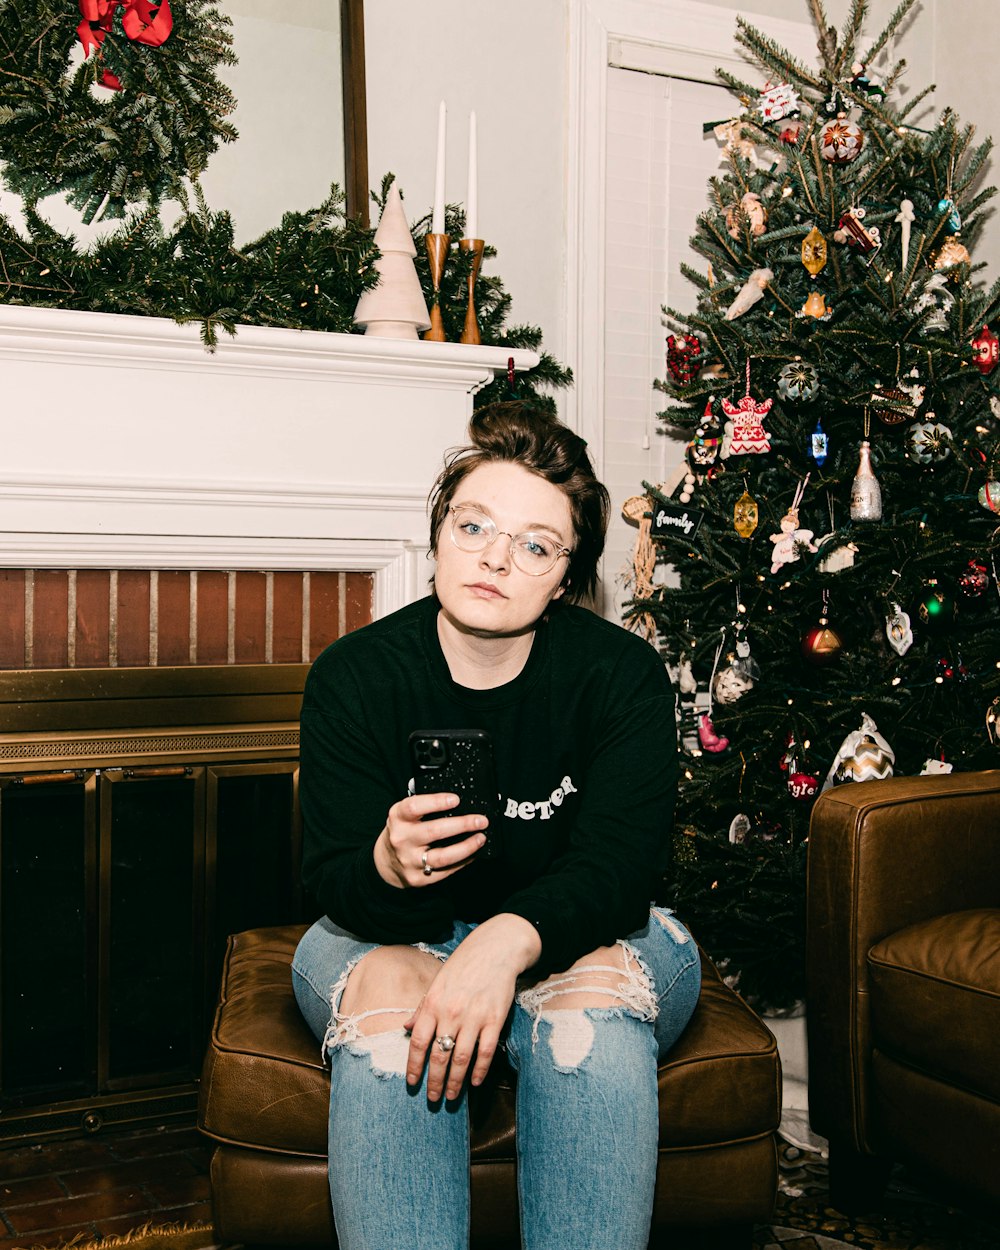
pixel 818 443
pixel 954 222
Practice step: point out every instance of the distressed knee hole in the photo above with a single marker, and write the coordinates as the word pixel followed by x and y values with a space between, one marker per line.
pixel 567 1002
pixel 672 926
pixel 387 1052
pixel 571 1038
pixel 364 1032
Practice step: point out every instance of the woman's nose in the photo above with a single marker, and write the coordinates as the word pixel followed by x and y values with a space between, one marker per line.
pixel 496 556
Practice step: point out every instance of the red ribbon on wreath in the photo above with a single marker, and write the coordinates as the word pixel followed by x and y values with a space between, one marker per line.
pixel 142 22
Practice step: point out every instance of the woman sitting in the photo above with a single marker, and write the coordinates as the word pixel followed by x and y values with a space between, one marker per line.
pixel 447 938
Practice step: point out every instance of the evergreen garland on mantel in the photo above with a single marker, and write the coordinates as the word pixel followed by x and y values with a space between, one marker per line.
pixel 120 150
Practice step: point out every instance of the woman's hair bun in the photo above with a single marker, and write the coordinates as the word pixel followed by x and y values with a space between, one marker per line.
pixel 511 430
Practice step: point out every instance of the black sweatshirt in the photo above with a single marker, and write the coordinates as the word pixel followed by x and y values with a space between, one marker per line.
pixel 586 766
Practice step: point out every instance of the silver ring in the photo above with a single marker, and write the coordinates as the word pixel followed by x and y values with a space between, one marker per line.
pixel 445 1042
pixel 425 866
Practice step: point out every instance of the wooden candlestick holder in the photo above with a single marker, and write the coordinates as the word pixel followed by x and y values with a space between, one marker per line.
pixel 437 253
pixel 470 331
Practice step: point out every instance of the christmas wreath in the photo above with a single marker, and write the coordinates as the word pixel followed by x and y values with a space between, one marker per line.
pixel 112 102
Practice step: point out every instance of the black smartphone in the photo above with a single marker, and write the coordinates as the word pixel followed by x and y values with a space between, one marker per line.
pixel 458 761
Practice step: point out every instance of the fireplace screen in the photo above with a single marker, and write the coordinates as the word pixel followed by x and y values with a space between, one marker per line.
pixel 145 814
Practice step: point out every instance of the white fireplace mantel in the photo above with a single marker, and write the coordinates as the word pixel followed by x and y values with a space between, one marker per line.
pixel 129 445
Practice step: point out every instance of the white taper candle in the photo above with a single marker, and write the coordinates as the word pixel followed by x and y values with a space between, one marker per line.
pixel 471 200
pixel 437 219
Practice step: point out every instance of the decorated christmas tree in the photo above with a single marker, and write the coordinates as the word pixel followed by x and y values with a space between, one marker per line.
pixel 823 579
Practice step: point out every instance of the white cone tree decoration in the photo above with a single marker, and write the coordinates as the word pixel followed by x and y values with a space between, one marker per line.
pixel 395 308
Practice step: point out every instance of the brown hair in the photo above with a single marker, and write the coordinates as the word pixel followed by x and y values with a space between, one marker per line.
pixel 514 434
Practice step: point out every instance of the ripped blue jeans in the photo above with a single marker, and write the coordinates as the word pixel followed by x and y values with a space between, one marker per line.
pixel 587 1106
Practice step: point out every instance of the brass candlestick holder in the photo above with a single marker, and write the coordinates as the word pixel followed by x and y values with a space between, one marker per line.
pixel 437 253
pixel 470 331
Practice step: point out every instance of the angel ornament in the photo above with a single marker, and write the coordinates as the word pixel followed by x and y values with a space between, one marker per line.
pixel 792 541
pixel 749 293
pixel 744 432
pixel 730 136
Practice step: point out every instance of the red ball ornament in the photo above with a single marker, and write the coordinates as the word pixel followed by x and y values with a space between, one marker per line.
pixel 802 785
pixel 974 580
pixel 682 357
pixel 985 351
pixel 821 644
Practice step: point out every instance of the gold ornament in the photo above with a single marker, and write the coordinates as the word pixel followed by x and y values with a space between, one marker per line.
pixel 745 514
pixel 814 252
pixel 949 254
pixel 816 306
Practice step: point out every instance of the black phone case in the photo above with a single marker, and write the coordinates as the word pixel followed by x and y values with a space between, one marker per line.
pixel 458 761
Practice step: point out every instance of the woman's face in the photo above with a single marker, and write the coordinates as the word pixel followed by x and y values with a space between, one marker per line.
pixel 484 592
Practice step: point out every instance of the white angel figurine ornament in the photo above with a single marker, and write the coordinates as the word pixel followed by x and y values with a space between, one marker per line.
pixel 749 293
pixel 792 541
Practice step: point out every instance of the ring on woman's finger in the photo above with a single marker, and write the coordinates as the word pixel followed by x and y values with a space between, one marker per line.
pixel 425 865
pixel 445 1042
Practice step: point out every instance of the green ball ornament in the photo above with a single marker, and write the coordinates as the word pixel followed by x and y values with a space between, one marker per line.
pixel 935 608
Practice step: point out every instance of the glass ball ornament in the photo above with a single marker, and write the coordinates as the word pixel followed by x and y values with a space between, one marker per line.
pixel 953 222
pixel 821 645
pixel 798 382
pixel 841 140
pixel 952 254
pixel 935 609
pixel 989 495
pixel 928 442
pixel 974 580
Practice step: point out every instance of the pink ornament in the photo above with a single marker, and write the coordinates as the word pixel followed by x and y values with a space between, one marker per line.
pixel 707 736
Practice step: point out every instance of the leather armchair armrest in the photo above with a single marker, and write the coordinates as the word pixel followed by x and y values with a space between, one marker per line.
pixel 882 855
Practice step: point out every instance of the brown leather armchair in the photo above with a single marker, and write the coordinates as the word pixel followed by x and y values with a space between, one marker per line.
pixel 265 1092
pixel 903 982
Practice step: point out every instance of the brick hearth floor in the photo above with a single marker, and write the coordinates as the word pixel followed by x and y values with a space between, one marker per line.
pixel 102 1186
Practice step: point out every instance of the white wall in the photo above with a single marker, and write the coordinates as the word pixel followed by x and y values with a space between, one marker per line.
pixel 508 63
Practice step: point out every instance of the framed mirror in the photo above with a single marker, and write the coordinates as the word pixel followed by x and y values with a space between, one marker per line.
pixel 352 75
pixel 299 83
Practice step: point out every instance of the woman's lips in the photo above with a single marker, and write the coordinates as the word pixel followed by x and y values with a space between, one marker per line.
pixel 486 590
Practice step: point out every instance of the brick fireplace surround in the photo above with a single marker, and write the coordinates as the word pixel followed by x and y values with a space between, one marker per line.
pixel 181 532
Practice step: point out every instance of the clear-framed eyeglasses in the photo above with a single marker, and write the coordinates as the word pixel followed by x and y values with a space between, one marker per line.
pixel 533 552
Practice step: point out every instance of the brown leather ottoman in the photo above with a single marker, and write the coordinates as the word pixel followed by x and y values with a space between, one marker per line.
pixel 265 1093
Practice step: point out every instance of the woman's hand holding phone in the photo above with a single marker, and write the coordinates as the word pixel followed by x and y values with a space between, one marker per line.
pixel 409 844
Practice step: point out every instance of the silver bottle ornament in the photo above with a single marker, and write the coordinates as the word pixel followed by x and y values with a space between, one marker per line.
pixel 866 494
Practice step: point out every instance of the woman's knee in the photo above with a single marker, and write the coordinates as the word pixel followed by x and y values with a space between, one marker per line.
pixel 389 981
pixel 596 995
